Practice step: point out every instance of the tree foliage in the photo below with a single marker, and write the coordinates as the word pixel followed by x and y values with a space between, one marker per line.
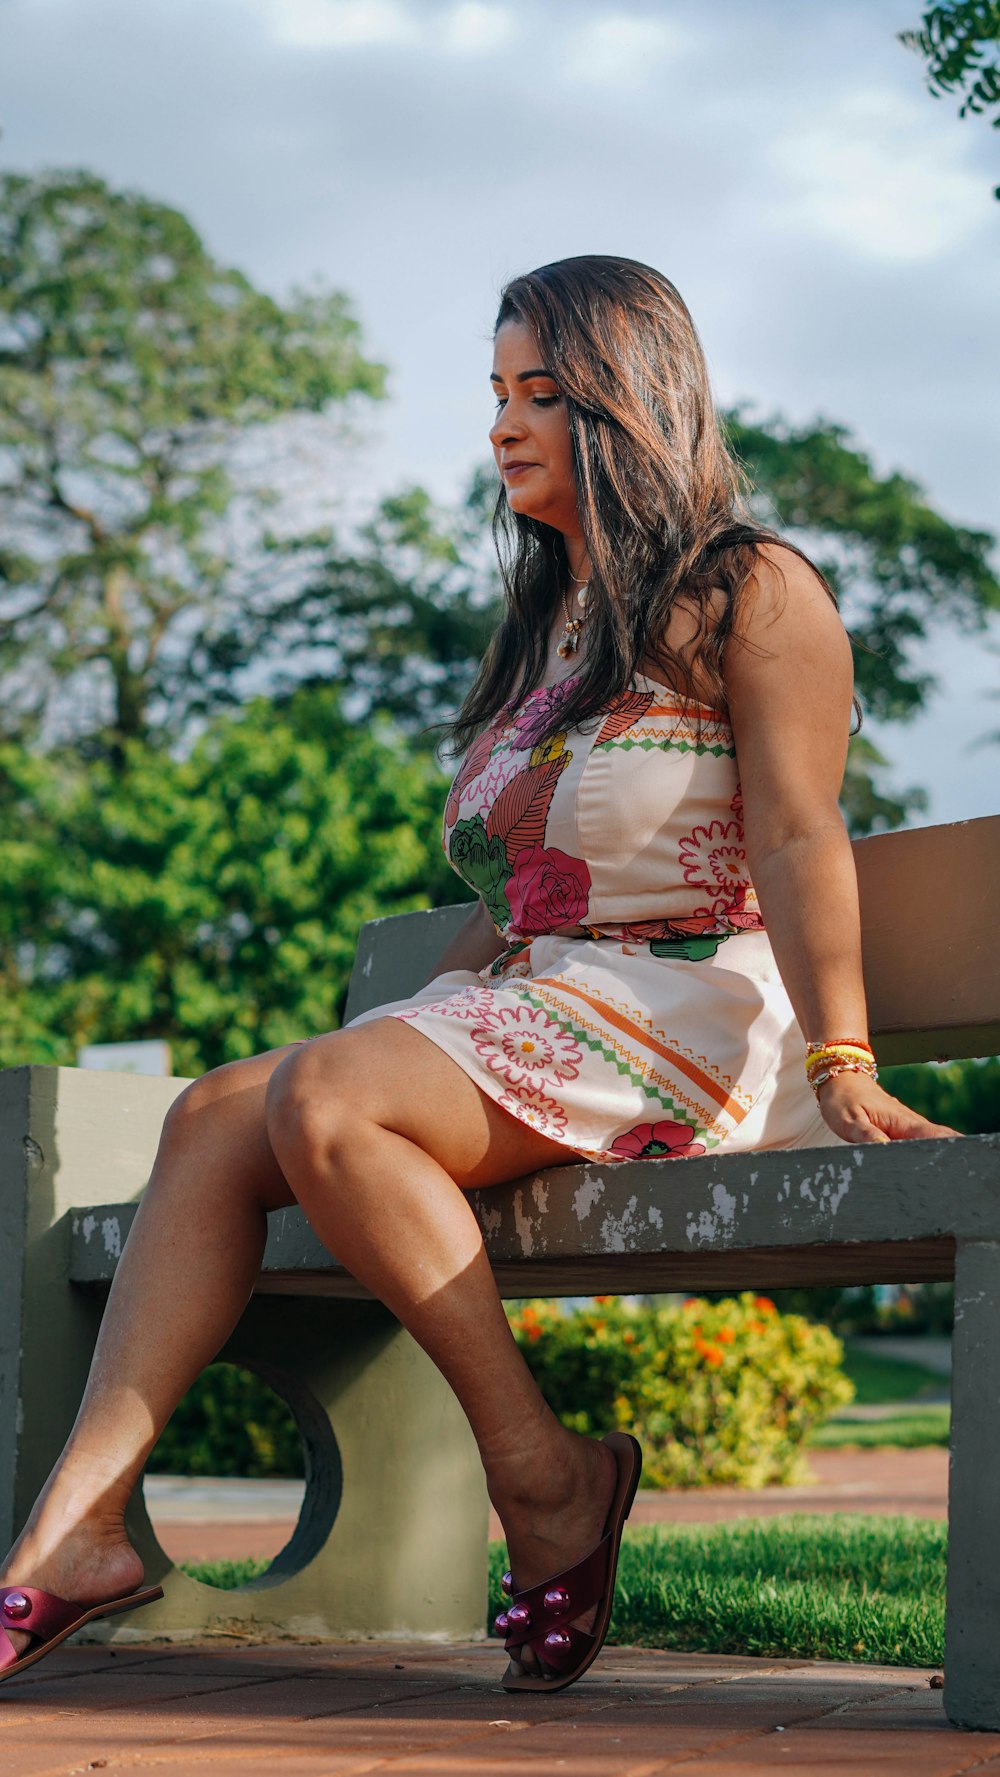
pixel 898 567
pixel 958 42
pixel 213 901
pixel 129 361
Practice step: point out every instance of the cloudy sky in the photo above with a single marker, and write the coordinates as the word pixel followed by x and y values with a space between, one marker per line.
pixel 829 223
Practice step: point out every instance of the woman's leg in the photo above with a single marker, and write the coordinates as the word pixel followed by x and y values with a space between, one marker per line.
pixel 376 1132
pixel 185 1276
pixel 379 1133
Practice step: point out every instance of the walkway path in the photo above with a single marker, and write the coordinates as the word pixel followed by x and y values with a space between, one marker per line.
pixel 290 1711
pixel 229 1520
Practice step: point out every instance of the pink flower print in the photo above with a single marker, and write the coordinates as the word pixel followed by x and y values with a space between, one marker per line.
pixel 533 1107
pixel 713 858
pixel 651 1141
pixel 548 889
pixel 465 1002
pixel 524 1045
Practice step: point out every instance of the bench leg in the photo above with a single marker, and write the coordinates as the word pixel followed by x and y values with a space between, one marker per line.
pixel 391 1540
pixel 972 1631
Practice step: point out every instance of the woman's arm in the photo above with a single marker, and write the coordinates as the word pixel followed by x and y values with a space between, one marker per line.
pixel 475 944
pixel 789 682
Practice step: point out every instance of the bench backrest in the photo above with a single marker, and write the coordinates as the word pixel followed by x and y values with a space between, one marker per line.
pixel 929 927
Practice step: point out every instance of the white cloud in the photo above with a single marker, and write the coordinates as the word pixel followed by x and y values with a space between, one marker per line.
pixel 340 24
pixel 872 175
pixel 474 28
pixel 620 49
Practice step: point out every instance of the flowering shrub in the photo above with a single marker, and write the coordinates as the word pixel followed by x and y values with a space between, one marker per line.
pixel 718 1393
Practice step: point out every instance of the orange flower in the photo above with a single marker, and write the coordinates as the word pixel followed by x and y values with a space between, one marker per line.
pixel 713 1355
pixel 603 1298
pixel 533 1332
pixel 756 1326
pixel 765 1304
pixel 628 1338
pixel 726 1335
pixel 691 1301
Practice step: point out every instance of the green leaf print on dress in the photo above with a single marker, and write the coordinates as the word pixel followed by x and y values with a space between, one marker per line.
pixel 691 950
pixel 482 862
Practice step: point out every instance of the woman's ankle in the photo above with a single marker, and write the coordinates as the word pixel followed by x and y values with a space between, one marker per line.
pixel 545 1478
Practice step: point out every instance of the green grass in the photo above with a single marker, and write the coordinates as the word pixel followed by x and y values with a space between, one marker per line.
pixel 882 1381
pixel 911 1428
pixel 796 1587
pixel 839 1588
pixel 227 1575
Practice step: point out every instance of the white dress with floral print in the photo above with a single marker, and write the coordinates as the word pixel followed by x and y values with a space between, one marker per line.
pixel 637 1009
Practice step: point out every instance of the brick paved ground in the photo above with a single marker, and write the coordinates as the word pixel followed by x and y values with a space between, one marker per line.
pixel 292 1711
pixel 879 1481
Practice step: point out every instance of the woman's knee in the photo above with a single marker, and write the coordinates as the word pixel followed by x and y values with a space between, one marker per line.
pixel 305 1106
pixel 186 1117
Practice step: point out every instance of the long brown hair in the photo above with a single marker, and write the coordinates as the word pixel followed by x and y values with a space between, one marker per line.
pixel 662 502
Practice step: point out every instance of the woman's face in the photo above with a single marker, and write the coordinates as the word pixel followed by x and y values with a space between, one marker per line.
pixel 530 435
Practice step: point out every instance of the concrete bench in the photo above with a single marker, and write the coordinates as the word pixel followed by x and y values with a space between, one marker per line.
pixel 391 1539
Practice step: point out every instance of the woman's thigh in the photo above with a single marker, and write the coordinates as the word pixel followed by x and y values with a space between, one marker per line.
pixel 389 1073
pixel 219 1123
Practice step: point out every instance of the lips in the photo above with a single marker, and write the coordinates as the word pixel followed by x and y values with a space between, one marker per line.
pixel 514 468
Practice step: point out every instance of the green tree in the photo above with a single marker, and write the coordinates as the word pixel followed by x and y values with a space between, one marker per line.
pixel 130 361
pixel 215 900
pixel 901 571
pixel 958 42
pixel 400 620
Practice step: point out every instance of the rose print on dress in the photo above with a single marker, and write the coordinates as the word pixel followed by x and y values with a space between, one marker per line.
pixel 547 889
pixel 652 1141
pixel 526 1047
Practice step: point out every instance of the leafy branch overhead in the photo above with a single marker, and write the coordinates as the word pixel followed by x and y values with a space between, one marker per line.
pixel 958 42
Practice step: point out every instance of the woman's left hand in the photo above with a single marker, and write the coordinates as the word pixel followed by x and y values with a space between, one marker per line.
pixel 858 1110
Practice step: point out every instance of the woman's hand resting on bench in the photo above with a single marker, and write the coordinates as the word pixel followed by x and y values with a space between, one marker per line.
pixel 858 1109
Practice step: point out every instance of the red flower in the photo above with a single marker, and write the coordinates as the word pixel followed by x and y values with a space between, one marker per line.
pixel 765 1304
pixel 648 1140
pixel 548 889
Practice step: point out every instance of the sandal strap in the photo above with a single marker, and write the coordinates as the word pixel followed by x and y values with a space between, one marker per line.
pixel 9 1655
pixel 569 1653
pixel 45 1616
pixel 584 1585
pixel 553 1605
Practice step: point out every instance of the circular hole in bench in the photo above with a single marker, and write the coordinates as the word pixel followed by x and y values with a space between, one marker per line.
pixel 226 1486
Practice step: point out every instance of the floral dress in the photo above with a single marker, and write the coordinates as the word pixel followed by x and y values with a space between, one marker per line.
pixel 637 1008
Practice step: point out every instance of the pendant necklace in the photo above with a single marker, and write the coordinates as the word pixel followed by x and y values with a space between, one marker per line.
pixel 570 641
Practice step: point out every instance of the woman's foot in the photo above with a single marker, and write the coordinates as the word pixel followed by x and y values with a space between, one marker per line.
pixel 553 1513
pixel 89 1564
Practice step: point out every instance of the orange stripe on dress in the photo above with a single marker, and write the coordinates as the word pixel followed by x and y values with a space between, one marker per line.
pixel 633 1030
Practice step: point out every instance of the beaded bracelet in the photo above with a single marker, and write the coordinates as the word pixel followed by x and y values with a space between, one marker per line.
pixel 847 1055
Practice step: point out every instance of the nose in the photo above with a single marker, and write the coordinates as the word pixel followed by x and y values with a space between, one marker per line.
pixel 506 429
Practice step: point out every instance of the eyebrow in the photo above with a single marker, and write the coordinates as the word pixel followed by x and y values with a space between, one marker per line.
pixel 523 376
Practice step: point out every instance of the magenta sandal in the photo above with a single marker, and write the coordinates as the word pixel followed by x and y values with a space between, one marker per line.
pixel 541 1617
pixel 51 1620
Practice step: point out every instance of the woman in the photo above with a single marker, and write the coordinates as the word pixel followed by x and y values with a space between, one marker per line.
pixel 614 993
